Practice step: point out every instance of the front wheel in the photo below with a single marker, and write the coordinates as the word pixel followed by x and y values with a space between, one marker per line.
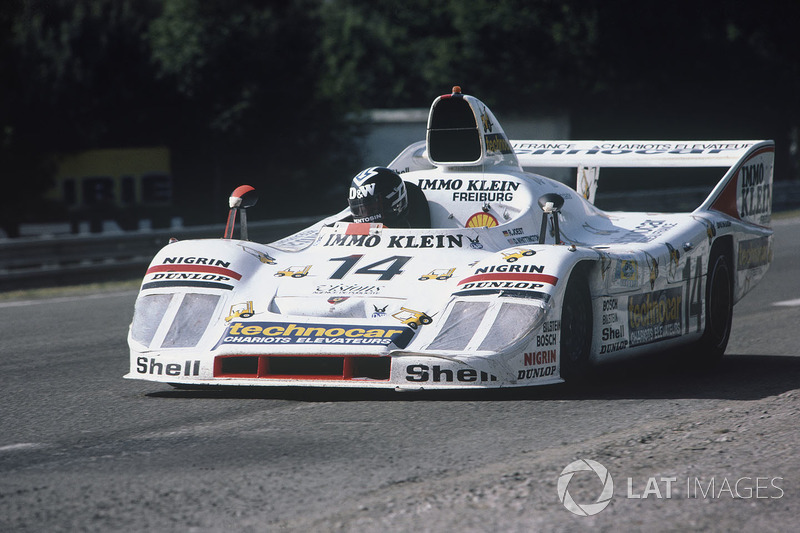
pixel 576 329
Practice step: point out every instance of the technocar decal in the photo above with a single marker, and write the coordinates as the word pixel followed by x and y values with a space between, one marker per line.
pixel 294 272
pixel 300 333
pixel 655 316
pixel 481 220
pixel 439 274
pixel 244 310
pixel 496 142
pixel 412 318
pixel 519 254
pixel 754 253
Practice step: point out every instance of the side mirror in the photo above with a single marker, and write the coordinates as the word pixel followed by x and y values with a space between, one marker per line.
pixel 551 205
pixel 242 197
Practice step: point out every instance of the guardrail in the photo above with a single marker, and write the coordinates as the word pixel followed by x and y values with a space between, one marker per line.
pixel 72 259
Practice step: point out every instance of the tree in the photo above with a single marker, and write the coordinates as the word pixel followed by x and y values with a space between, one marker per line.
pixel 247 78
pixel 514 54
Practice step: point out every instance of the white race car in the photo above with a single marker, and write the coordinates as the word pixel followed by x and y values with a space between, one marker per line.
pixel 505 279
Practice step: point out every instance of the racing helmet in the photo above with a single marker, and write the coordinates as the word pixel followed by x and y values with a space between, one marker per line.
pixel 378 194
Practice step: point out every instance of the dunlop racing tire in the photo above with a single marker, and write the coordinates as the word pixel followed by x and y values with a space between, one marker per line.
pixel 576 328
pixel 707 351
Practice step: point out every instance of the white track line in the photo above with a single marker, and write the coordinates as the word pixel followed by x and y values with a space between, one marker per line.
pixel 788 303
pixel 22 446
pixel 23 303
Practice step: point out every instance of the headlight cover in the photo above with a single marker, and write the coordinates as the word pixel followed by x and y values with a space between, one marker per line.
pixel 488 325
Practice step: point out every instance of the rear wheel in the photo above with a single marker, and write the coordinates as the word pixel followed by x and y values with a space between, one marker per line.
pixel 576 329
pixel 719 311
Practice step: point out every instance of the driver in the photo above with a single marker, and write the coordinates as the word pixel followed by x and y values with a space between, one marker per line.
pixel 378 194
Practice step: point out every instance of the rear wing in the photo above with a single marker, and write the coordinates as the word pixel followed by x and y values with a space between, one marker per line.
pixel 745 192
pixel 630 153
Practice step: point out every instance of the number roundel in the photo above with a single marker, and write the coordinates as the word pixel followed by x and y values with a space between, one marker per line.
pixel 394 267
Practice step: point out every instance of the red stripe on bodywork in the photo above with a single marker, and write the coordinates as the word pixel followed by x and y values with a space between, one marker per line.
pixel 195 268
pixel 511 276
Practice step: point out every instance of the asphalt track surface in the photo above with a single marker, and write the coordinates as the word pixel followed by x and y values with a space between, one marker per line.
pixel 81 449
